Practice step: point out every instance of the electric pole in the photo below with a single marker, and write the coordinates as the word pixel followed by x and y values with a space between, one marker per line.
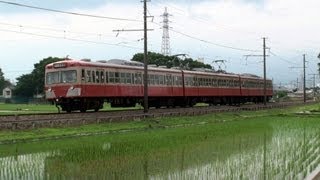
pixel 264 70
pixel 304 79
pixel 264 73
pixel 145 79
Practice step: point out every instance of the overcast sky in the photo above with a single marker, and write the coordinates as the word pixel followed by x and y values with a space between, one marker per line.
pixel 291 26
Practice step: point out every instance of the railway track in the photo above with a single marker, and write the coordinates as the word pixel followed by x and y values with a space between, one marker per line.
pixel 31 121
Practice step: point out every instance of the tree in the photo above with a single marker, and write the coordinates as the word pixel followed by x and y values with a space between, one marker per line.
pixel 319 64
pixel 170 61
pixel 33 83
pixel 3 82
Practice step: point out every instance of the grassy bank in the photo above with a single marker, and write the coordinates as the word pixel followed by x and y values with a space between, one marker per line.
pixel 13 109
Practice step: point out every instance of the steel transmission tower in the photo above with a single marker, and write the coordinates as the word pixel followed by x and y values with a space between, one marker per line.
pixel 165 47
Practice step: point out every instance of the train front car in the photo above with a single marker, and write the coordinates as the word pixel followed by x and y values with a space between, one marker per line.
pixel 63 87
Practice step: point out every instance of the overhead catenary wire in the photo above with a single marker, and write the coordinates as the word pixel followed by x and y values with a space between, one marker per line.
pixel 122 19
pixel 208 42
pixel 70 39
pixel 285 60
pixel 64 31
pixel 212 43
pixel 205 20
pixel 68 12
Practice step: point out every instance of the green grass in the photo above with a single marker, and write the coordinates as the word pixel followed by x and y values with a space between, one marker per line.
pixel 25 108
pixel 12 109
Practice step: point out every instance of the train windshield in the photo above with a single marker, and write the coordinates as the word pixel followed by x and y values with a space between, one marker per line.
pixel 68 76
pixel 53 77
pixel 61 77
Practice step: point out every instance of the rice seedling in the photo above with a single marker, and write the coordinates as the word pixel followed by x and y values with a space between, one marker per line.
pixel 259 146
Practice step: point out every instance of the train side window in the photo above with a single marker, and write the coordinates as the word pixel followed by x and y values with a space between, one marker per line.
pixel 137 78
pixel 93 76
pixel 83 75
pixel 112 77
pixel 228 83
pixel 235 83
pixel 195 81
pixel 208 82
pixel 88 76
pixel 107 77
pixel 157 79
pixel 102 76
pixel 161 80
pixel 169 80
pixel 97 77
pixel 175 79
pixel 180 81
pixel 152 77
pixel 187 81
pixel 122 78
pixel 117 77
pixel 132 78
pixel 128 78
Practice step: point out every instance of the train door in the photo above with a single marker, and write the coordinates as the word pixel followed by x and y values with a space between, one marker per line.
pixel 169 83
pixel 139 84
pixel 83 81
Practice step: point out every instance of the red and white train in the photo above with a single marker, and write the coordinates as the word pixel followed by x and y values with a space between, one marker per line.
pixel 84 85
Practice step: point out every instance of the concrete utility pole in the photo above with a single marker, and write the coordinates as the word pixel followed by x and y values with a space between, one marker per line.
pixel 145 80
pixel 304 79
pixel 264 70
pixel 264 73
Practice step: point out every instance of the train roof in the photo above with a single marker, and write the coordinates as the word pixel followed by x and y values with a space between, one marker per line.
pixel 117 63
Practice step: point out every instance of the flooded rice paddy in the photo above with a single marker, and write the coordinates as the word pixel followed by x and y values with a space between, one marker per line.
pixel 267 148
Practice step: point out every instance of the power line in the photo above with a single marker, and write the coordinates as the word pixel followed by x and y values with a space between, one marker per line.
pixel 70 39
pixel 50 29
pixel 207 21
pixel 70 13
pixel 212 43
pixel 208 42
pixel 285 60
pixel 53 29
